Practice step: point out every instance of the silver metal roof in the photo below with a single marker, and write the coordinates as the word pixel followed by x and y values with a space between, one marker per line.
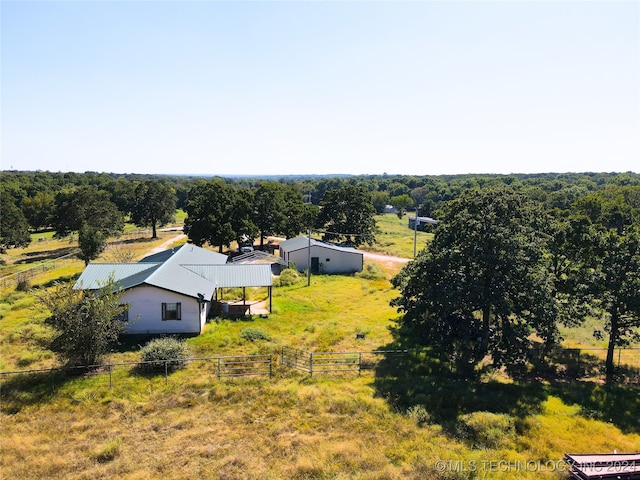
pixel 258 257
pixel 189 270
pixel 235 275
pixel 126 275
pixel 300 243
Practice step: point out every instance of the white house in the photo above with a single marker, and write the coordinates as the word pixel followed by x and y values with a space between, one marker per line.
pixel 324 257
pixel 172 291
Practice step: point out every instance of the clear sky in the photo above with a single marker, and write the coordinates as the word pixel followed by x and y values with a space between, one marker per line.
pixel 320 87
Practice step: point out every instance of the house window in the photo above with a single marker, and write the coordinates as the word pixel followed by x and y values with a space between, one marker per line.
pixel 171 311
pixel 124 316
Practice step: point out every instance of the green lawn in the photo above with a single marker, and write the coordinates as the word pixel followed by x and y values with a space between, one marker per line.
pixel 395 238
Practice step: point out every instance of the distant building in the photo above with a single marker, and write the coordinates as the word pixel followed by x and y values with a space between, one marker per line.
pixel 422 222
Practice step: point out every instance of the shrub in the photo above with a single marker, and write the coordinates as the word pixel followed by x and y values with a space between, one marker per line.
pixel 253 334
pixel 289 277
pixel 419 414
pixel 486 429
pixel 24 285
pixel 158 350
pixel 109 451
pixel 371 271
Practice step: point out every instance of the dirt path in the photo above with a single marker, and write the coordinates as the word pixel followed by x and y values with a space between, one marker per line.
pixel 167 244
pixel 384 258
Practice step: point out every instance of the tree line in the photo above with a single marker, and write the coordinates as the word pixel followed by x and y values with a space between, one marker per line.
pixel 218 212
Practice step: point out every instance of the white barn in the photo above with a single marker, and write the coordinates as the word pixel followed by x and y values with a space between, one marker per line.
pixel 172 292
pixel 324 257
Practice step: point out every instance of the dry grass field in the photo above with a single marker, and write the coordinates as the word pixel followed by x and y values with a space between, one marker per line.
pixel 405 419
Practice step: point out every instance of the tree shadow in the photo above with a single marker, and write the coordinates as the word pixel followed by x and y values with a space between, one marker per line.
pixel 33 257
pixel 416 378
pixel 133 342
pixel 20 390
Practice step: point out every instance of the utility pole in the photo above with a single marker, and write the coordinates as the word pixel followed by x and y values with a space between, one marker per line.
pixel 309 258
pixel 415 231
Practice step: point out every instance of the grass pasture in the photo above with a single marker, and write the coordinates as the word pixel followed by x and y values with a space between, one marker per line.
pixel 395 238
pixel 406 419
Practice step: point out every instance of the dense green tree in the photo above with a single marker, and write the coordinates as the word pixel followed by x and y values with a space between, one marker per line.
pixel 380 201
pixel 154 204
pixel 38 210
pixel 401 203
pixel 218 214
pixel 569 241
pixel 269 209
pixel 88 205
pixel 242 221
pixel 616 288
pixel 122 192
pixel 347 214
pixel 614 207
pixel 92 243
pixel 298 216
pixel 87 323
pixel 480 287
pixel 14 229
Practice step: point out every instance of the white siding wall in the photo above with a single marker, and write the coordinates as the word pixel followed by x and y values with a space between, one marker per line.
pixel 146 304
pixel 331 261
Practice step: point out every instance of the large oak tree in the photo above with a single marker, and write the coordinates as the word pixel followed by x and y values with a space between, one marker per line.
pixel 218 214
pixel 154 204
pixel 480 287
pixel 347 214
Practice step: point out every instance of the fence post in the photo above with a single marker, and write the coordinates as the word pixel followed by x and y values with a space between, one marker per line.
pixel 270 366
pixel 619 352
pixel 110 379
pixel 311 364
pixel 359 363
pixel 219 368
pixel 166 373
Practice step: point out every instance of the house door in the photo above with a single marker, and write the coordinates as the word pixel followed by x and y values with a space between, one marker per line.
pixel 315 265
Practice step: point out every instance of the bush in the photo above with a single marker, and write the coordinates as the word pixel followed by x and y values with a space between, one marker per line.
pixel 289 277
pixel 159 350
pixel 371 271
pixel 24 285
pixel 486 429
pixel 253 334
pixel 419 414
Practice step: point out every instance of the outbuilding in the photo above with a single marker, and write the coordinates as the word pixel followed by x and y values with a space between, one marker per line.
pixel 422 222
pixel 323 257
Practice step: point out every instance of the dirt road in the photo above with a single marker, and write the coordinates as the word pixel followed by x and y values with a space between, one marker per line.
pixel 167 244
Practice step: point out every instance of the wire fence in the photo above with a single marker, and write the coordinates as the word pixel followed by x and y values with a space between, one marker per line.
pixel 16 386
pixel 574 363
pixel 28 383
pixel 28 273
pixel 335 362
pixel 45 265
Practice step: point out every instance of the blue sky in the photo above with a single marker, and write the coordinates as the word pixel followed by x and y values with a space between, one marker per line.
pixel 320 87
